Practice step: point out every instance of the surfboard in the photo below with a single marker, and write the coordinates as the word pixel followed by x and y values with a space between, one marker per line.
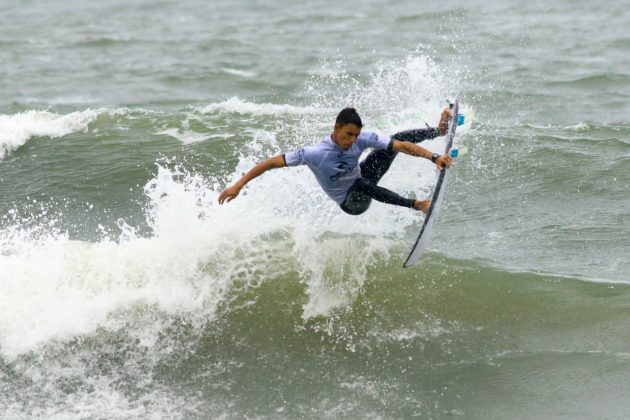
pixel 426 232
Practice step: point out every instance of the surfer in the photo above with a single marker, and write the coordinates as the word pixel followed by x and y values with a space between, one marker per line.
pixel 335 163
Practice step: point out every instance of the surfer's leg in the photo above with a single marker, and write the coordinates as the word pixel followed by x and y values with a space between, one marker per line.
pixel 363 191
pixel 378 162
pixel 416 135
pixel 383 194
pixel 419 134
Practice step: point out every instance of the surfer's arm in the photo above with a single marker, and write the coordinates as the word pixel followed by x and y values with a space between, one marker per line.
pixel 231 192
pixel 415 150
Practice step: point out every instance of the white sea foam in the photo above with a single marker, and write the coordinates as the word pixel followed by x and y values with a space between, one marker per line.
pixel 581 126
pixel 17 129
pixel 241 73
pixel 236 105
pixel 185 136
pixel 56 288
pixel 98 395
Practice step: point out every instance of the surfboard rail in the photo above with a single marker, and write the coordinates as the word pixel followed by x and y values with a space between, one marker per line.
pixel 430 219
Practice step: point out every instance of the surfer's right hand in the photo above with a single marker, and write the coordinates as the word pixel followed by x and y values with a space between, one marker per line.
pixel 444 161
pixel 422 205
pixel 229 194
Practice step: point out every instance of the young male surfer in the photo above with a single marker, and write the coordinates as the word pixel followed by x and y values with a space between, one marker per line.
pixel 335 163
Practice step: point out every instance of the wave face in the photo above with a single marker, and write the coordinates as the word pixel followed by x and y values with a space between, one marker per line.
pixel 127 292
pixel 411 342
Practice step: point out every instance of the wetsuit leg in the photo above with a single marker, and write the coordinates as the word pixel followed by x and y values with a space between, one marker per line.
pixel 416 135
pixel 363 191
pixel 378 162
pixel 373 168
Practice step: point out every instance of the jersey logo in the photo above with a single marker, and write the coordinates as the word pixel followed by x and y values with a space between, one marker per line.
pixel 342 166
pixel 345 168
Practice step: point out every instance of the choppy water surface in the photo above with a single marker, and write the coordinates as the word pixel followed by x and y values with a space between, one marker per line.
pixel 127 292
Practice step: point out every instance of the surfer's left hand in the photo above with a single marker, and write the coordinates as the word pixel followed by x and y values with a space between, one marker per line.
pixel 444 161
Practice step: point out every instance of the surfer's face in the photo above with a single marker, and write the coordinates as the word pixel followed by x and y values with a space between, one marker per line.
pixel 345 136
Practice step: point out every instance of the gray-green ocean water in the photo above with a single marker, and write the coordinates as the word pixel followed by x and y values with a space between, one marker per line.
pixel 127 292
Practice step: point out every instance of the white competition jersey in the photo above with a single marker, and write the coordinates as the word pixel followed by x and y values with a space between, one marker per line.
pixel 336 169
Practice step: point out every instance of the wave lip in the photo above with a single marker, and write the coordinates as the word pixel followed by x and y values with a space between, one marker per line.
pixel 236 105
pixel 16 130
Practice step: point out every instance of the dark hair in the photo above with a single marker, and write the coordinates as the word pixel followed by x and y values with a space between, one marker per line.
pixel 349 116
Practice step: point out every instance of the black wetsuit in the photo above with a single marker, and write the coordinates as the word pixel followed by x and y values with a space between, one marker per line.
pixel 373 168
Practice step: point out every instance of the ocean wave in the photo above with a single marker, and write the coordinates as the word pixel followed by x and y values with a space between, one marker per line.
pixel 241 73
pixel 236 105
pixel 581 126
pixel 202 257
pixel 599 80
pixel 587 131
pixel 197 252
pixel 198 255
pixel 17 129
pixel 186 136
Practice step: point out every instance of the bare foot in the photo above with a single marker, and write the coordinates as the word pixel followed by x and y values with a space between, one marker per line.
pixel 422 205
pixel 444 119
